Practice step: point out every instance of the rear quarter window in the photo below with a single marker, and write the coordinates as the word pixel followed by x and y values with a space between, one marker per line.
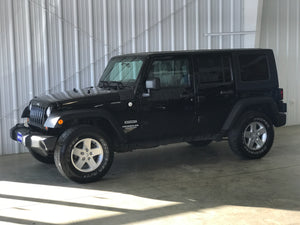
pixel 254 67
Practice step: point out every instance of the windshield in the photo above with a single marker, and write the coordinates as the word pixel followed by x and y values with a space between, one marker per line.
pixel 122 70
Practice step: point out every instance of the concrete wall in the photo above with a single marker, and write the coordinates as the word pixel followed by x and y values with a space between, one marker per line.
pixel 53 45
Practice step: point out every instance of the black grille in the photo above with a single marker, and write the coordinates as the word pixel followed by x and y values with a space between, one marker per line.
pixel 37 116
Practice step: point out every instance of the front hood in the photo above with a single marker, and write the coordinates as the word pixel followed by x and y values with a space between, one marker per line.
pixel 80 98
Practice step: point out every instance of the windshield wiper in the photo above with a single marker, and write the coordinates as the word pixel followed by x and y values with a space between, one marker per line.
pixel 105 84
pixel 117 84
pixel 112 84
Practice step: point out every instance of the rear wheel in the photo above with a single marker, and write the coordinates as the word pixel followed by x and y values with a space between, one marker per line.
pixel 44 159
pixel 83 154
pixel 200 143
pixel 252 136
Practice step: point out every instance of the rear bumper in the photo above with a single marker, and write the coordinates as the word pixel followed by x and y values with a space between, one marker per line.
pixel 37 142
pixel 282 107
pixel 280 120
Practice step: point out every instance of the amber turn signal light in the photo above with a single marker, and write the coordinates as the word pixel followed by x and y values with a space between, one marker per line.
pixel 60 122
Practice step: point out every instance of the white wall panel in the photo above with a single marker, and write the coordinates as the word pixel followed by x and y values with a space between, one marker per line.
pixel 53 45
pixel 280 27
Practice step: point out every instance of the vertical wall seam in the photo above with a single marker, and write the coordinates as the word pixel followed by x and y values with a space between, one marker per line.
pixel 297 31
pixel 277 27
pixel 258 23
pixel 172 25
pixel 288 91
pixel 76 43
pixel 14 72
pixel 297 59
pixel 242 23
pixel 120 42
pixel 287 26
pixel 146 13
pixel 29 48
pixel 220 24
pixel 61 46
pixel 133 38
pixel 197 33
pixel 159 9
pixel 209 23
pixel 91 42
pixel 105 31
pixel 231 23
pixel 45 47
pixel 185 33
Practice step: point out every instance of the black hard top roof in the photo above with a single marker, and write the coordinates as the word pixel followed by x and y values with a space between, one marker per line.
pixel 166 53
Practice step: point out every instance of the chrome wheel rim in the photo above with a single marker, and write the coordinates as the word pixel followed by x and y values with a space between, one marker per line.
pixel 255 136
pixel 87 155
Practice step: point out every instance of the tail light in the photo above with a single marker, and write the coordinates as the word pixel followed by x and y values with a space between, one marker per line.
pixel 281 93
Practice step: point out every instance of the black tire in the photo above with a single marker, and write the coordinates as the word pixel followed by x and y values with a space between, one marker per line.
pixel 200 143
pixel 74 140
pixel 248 139
pixel 44 159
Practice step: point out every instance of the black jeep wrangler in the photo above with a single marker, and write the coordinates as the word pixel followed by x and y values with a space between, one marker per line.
pixel 150 99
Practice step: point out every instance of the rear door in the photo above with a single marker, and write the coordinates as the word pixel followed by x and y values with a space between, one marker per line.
pixel 215 92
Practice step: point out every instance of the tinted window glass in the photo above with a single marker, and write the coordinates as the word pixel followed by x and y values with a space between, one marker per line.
pixel 253 67
pixel 122 70
pixel 172 73
pixel 213 69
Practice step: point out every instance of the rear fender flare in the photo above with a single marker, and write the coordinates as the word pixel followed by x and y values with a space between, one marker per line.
pixel 242 104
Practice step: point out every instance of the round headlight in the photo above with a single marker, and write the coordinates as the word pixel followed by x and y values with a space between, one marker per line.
pixel 48 111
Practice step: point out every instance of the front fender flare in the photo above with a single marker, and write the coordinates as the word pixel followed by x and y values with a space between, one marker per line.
pixel 67 116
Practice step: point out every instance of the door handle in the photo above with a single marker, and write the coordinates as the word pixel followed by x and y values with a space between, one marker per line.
pixel 227 92
pixel 185 95
pixel 161 107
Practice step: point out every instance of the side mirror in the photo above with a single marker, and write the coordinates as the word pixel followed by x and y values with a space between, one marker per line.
pixel 152 84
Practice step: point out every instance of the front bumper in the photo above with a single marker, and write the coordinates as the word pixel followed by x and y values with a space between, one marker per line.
pixel 37 142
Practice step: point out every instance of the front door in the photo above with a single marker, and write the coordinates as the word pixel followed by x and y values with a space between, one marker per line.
pixel 169 111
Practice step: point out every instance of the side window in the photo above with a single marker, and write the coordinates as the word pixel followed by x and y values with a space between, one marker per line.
pixel 213 69
pixel 253 67
pixel 171 72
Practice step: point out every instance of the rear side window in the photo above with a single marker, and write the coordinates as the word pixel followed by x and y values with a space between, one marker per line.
pixel 213 69
pixel 253 67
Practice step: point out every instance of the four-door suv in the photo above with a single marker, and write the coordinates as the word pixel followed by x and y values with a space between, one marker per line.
pixel 149 99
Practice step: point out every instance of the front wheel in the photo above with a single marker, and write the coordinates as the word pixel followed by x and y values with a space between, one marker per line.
pixel 83 154
pixel 252 136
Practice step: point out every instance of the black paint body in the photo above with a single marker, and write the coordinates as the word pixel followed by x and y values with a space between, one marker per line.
pixel 200 111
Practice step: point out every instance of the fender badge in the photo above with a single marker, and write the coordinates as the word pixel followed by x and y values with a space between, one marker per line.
pixel 130 104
